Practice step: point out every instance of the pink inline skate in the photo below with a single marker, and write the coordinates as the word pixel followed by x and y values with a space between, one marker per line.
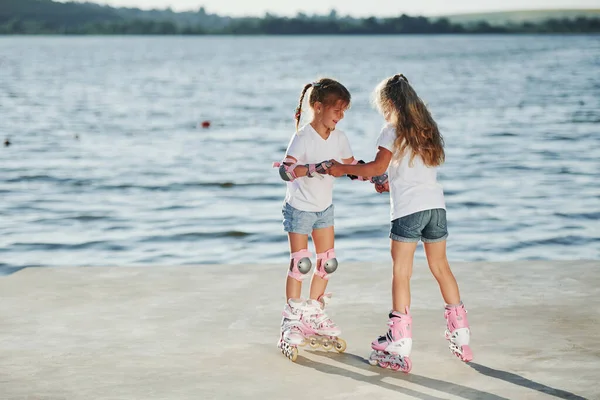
pixel 393 349
pixel 458 332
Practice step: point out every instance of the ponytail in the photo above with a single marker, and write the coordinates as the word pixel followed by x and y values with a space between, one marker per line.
pixel 299 108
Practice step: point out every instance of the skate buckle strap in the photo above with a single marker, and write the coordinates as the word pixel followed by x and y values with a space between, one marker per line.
pixel 320 317
pixel 291 316
pixel 323 321
pixel 456 316
pixel 325 298
pixel 293 325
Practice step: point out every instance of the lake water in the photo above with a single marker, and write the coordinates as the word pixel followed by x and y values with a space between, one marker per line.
pixel 108 165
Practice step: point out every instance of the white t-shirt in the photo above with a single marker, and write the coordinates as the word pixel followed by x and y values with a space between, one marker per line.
pixel 308 147
pixel 412 188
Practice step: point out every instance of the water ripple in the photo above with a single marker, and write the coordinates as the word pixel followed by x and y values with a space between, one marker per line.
pixel 110 165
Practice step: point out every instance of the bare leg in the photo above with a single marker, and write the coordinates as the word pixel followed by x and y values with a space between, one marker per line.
pixel 293 288
pixel 402 258
pixel 323 240
pixel 438 264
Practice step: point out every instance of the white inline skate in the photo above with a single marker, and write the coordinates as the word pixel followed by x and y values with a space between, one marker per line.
pixel 319 329
pixel 291 329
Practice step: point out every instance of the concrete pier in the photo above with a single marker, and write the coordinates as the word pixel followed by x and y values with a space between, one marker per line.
pixel 209 332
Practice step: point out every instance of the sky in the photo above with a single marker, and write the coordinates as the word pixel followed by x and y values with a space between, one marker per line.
pixel 357 8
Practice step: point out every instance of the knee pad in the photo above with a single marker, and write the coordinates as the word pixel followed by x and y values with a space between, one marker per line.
pixel 328 264
pixel 300 265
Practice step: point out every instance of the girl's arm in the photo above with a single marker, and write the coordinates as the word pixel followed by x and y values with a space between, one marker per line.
pixel 374 168
pixel 289 170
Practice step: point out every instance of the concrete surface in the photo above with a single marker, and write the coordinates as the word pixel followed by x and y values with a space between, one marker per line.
pixel 209 332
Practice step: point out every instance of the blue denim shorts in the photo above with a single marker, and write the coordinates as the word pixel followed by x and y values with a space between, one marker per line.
pixel 304 222
pixel 430 226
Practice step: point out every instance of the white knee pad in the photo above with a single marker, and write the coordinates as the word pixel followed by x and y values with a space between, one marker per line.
pixel 300 265
pixel 327 265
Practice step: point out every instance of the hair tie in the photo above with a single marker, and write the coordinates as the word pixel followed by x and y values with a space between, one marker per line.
pixel 397 79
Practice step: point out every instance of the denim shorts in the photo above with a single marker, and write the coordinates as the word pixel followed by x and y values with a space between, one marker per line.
pixel 430 226
pixel 304 222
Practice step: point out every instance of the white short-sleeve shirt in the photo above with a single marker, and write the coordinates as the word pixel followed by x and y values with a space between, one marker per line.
pixel 308 147
pixel 412 188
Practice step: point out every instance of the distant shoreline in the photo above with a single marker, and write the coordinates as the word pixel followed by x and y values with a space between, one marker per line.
pixel 51 17
pixel 6 35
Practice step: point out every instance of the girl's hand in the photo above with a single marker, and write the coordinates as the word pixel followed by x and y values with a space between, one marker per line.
pixel 383 188
pixel 335 169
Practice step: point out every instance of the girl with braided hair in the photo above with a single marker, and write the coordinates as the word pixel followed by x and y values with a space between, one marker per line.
pixel 308 209
pixel 410 148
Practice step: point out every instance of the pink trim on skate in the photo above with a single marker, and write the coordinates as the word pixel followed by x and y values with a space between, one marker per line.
pixel 399 328
pixel 456 317
pixel 467 353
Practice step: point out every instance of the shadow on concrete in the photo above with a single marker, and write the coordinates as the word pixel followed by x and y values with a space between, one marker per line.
pixel 521 381
pixel 360 362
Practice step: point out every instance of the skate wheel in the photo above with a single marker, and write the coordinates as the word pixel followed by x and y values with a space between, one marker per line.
pixel 384 364
pixel 293 354
pixel 407 365
pixel 340 345
pixel 314 343
pixel 395 367
pixel 373 358
pixel 327 345
pixel 454 348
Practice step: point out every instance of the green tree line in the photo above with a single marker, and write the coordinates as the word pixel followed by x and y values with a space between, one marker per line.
pixel 294 26
pixel 50 17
